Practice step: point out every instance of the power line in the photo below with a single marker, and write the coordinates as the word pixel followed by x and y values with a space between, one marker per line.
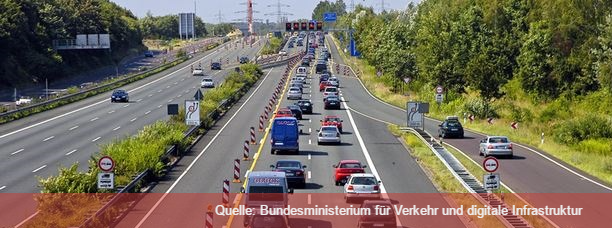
pixel 219 17
pixel 280 14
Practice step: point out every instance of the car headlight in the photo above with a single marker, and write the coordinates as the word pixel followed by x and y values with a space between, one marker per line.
pixel 112 96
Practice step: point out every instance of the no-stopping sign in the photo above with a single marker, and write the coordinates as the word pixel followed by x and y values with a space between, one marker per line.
pixel 439 89
pixel 490 164
pixel 106 164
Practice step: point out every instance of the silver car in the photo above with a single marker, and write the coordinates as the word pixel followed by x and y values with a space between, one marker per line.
pixel 334 81
pixel 207 83
pixel 330 91
pixel 294 93
pixel 362 186
pixel 495 145
pixel 328 134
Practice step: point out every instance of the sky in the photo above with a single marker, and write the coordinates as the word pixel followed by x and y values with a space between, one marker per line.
pixel 208 10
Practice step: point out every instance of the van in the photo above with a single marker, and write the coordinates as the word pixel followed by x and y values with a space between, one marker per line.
pixel 268 188
pixel 285 135
pixel 301 70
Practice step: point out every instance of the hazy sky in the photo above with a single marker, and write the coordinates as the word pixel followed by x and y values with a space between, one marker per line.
pixel 208 9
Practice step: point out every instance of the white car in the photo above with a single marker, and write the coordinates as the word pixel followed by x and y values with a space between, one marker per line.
pixel 282 53
pixel 334 81
pixel 328 134
pixel 197 72
pixel 294 93
pixel 496 146
pixel 330 91
pixel 302 70
pixel 362 186
pixel 207 83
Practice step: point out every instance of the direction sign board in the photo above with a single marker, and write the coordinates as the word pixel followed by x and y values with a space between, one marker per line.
pixel 491 181
pixel 106 180
pixel 415 118
pixel 439 89
pixel 192 112
pixel 106 164
pixel 490 164
pixel 439 98
pixel 329 16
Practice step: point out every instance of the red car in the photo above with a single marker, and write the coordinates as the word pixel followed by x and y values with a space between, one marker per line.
pixel 284 112
pixel 345 168
pixel 324 84
pixel 332 121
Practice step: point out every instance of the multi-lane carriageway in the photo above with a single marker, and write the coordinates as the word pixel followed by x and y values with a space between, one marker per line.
pixel 366 139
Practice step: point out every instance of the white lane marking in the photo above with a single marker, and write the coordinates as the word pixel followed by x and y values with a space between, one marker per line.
pixel 48 138
pixel 193 87
pixel 175 83
pixel 186 91
pixel 72 128
pixel 97 103
pixel 369 117
pixel 309 121
pixel 132 120
pixel 96 139
pixel 159 106
pixel 18 151
pixel 125 106
pixel 117 128
pixel 246 175
pixel 150 95
pixel 309 142
pixel 3 187
pixel 139 100
pixel 169 100
pixel 309 130
pixel 146 113
pixel 39 168
pixel 200 154
pixel 110 112
pixel 167 87
pixel 309 156
pixel 182 79
pixel 94 119
pixel 72 151
pixel 159 91
pixel 309 175
pixel 180 95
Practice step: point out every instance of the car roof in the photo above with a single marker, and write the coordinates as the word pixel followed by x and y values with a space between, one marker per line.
pixel 266 174
pixel 329 126
pixel 330 117
pixel 305 101
pixel 288 160
pixel 293 107
pixel 294 88
pixel 119 91
pixel 350 161
pixel 363 175
pixel 497 137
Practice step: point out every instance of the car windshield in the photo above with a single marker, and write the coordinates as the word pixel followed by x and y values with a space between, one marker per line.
pixel 285 112
pixel 331 89
pixel 207 80
pixel 364 181
pixel 498 140
pixel 332 99
pixel 294 90
pixel 119 92
pixel 328 129
pixel 332 119
pixel 350 165
pixel 288 164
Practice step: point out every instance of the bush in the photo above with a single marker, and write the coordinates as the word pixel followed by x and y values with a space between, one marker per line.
pixel 596 146
pixel 520 114
pixel 181 53
pixel 583 128
pixel 479 108
pixel 70 180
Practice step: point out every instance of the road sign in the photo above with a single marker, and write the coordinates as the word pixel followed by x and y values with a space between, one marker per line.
pixel 407 80
pixel 439 89
pixel 490 120
pixel 491 181
pixel 329 16
pixel 514 125
pixel 198 95
pixel 490 164
pixel 106 164
pixel 415 118
pixel 106 180
pixel 439 98
pixel 192 112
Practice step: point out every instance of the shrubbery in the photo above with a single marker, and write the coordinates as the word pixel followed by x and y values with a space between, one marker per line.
pixel 479 108
pixel 582 128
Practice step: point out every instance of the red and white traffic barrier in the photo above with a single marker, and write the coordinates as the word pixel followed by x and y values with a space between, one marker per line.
pixel 236 171
pixel 253 136
pixel 209 217
pixel 266 113
pixel 226 192
pixel 261 123
pixel 245 155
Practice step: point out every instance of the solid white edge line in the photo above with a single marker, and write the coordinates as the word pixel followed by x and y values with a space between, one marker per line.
pixel 39 168
pixel 102 101
pixel 200 154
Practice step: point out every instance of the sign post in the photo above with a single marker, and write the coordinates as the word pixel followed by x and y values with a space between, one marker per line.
pixel 492 180
pixel 106 178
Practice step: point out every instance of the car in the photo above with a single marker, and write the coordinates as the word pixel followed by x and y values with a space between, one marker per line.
pixel 496 146
pixel 207 83
pixel 215 66
pixel 297 85
pixel 324 84
pixel 305 62
pixel 301 70
pixel 332 102
pixel 284 112
pixel 334 81
pixel 294 171
pixel 282 53
pixel 362 186
pixel 120 96
pixel 330 91
pixel 344 169
pixel 148 54
pixel 267 221
pixel 328 134
pixel 377 219
pixel 290 45
pixel 296 110
pixel 324 77
pixel 197 72
pixel 295 93
pixel 243 60
pixel 301 77
pixel 320 67
pixel 451 127
pixel 332 121
pixel 305 105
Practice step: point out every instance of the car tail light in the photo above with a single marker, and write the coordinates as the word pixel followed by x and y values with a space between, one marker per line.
pixel 350 187
pixel 376 187
pixel 490 147
pixel 299 173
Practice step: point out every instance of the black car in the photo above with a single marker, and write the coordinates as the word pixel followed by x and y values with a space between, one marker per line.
pixel 321 66
pixel 296 110
pixel 244 60
pixel 215 66
pixel 305 62
pixel 305 105
pixel 290 45
pixel 294 171
pixel 332 102
pixel 120 96
pixel 148 54
pixel 324 77
pixel 451 127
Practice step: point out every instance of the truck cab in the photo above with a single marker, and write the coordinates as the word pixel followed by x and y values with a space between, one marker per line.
pixel 285 135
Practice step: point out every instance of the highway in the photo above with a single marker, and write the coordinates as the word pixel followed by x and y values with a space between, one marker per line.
pixel 35 146
pixel 203 171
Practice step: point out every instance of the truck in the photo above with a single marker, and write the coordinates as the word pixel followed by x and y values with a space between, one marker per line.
pixel 268 188
pixel 285 135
